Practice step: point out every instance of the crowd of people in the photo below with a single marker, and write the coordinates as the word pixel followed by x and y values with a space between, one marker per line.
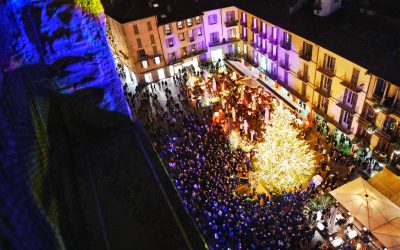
pixel 208 173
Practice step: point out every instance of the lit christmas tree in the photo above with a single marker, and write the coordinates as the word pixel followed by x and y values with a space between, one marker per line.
pixel 284 160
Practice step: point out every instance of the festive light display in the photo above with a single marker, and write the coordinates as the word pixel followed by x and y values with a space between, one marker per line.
pixel 284 160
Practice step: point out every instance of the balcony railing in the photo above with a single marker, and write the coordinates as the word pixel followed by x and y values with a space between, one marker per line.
pixel 243 38
pixel 284 65
pixel 272 56
pixel 286 45
pixel 273 40
pixel 263 35
pixel 352 86
pixel 324 92
pixel 345 106
pixel 254 29
pixel 305 78
pixel 263 50
pixel 194 53
pixel 386 135
pixel 272 76
pixel 174 61
pixel 224 41
pixel 305 56
pixel 243 23
pixel 231 23
pixel 297 94
pixel 327 71
pixel 254 44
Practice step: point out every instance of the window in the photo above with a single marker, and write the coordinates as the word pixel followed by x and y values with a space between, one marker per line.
pixel 244 18
pixel 391 126
pixel 167 29
pixel 199 32
pixel 212 19
pixel 286 77
pixel 326 83
pixel 198 20
pixel 329 62
pixel 157 60
pixel 155 52
pixel 145 65
pixel 170 42
pixel 307 51
pixel 354 76
pixel 191 37
pixel 135 29
pixel 139 42
pixel 148 77
pixel 179 25
pixel 214 37
pixel 153 41
pixel 380 87
pixel 149 28
pixel 141 53
pixel 181 36
pixel 230 16
pixel 350 98
pixel 323 103
pixel 161 74
pixel 171 70
pixel 189 22
pixel 254 25
pixel 264 28
pixel 232 33
pixel 345 117
pixel 274 33
pixel 287 38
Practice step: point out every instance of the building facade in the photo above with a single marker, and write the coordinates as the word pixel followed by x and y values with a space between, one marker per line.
pixel 322 83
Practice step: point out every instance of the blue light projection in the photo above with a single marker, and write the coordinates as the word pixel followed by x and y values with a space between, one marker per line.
pixel 46 47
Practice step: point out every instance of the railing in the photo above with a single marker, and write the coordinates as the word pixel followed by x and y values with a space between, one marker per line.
pixel 231 23
pixel 272 76
pixel 305 78
pixel 195 53
pixel 174 61
pixel 243 38
pixel 254 29
pixel 324 92
pixel 272 56
pixel 273 40
pixel 224 41
pixel 345 106
pixel 284 65
pixel 263 51
pixel 327 71
pixel 263 35
pixel 351 86
pixel 305 56
pixel 243 23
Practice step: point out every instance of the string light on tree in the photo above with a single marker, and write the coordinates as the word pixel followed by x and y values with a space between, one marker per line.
pixel 284 160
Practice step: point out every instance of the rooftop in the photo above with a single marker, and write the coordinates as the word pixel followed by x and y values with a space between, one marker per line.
pixel 369 40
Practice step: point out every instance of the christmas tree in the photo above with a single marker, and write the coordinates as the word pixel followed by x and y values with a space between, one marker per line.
pixel 284 160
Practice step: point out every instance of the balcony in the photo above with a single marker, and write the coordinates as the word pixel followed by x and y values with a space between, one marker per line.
pixel 243 23
pixel 272 76
pixel 284 65
pixel 174 61
pixel 296 94
pixel 285 45
pixel 324 92
pixel 191 39
pixel 224 41
pixel 263 35
pixel 273 40
pixel 263 51
pixel 272 56
pixel 303 77
pixel 346 107
pixel 386 135
pixel 254 29
pixel 231 23
pixel 352 86
pixel 305 56
pixel 254 44
pixel 243 38
pixel 327 71
pixel 345 129
pixel 195 53
pixel 252 62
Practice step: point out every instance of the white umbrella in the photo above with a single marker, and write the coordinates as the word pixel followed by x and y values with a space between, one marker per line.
pixel 366 204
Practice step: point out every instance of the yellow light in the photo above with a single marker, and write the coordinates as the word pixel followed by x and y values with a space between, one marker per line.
pixel 284 160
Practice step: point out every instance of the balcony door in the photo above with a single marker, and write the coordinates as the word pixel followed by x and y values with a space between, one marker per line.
pixel 323 103
pixel 329 62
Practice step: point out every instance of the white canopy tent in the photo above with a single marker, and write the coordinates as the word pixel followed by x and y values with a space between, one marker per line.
pixel 374 210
